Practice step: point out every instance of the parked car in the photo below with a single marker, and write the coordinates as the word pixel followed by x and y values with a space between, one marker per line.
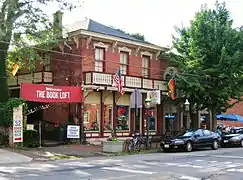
pixel 192 140
pixel 235 138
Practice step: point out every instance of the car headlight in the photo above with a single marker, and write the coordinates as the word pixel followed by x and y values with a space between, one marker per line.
pixel 179 142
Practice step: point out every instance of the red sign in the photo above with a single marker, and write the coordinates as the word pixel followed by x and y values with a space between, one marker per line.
pixel 48 93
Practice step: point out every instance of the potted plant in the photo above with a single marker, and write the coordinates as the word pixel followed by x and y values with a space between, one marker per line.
pixel 112 145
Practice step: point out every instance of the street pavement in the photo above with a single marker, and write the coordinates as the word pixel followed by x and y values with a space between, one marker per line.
pixel 12 157
pixel 221 164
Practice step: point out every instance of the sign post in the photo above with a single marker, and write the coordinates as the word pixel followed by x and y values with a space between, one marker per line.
pixel 136 101
pixel 18 124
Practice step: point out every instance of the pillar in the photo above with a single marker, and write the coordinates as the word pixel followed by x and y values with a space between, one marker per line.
pixel 102 106
pixel 114 112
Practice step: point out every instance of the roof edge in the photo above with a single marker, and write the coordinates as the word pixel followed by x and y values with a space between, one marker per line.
pixel 114 38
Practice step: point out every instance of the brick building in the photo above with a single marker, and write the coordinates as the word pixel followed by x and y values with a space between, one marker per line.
pixel 91 56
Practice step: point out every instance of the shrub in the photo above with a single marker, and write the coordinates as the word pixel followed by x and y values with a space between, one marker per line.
pixel 31 138
pixel 3 139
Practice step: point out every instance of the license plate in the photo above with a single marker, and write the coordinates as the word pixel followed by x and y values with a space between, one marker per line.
pixel 225 141
pixel 166 146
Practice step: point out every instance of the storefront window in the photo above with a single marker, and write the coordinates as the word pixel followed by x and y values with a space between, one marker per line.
pixel 108 117
pixel 152 120
pixel 122 117
pixel 170 120
pixel 92 117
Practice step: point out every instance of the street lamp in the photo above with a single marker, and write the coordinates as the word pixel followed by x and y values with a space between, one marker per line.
pixel 187 109
pixel 147 106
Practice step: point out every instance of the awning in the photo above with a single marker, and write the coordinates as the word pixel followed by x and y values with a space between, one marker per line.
pixel 51 94
pixel 232 117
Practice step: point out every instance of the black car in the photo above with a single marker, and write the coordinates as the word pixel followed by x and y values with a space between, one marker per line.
pixel 191 140
pixel 235 138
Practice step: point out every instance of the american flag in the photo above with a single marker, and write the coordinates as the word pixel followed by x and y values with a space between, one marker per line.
pixel 117 81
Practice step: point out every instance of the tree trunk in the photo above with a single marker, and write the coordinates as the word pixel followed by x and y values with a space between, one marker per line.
pixel 214 119
pixel 4 94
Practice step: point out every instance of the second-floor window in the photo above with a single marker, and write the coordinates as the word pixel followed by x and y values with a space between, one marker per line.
pixel 99 59
pixel 124 63
pixel 145 66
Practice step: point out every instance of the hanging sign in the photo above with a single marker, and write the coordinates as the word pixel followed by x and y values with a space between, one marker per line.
pixel 47 93
pixel 154 96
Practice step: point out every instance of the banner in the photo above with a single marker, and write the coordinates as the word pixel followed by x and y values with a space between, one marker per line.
pixel 18 124
pixel 50 94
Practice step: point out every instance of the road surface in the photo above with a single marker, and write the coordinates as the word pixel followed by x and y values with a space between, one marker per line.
pixel 222 164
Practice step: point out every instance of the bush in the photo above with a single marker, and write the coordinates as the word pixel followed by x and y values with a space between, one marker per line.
pixel 3 139
pixel 31 138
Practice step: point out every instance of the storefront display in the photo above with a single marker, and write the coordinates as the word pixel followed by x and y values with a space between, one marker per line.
pixel 108 118
pixel 92 117
pixel 122 117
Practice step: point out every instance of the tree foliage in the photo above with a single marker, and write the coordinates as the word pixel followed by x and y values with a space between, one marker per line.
pixel 209 56
pixel 135 35
pixel 23 23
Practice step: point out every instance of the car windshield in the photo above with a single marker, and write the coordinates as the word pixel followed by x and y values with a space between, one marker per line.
pixel 188 134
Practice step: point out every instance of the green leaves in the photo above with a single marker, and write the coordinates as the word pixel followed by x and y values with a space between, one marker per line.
pixel 23 26
pixel 209 56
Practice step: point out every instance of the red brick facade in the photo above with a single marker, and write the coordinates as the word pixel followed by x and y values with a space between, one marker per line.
pixel 66 70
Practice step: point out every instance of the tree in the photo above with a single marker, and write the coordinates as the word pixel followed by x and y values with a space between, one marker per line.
pixel 22 24
pixel 209 57
pixel 135 35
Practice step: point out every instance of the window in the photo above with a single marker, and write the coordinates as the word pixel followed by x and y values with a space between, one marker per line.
pixel 207 133
pixel 92 117
pixel 99 59
pixel 124 62
pixel 108 117
pixel 152 120
pixel 145 66
pixel 47 62
pixel 199 132
pixel 122 117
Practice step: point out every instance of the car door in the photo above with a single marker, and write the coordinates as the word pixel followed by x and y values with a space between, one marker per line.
pixel 199 138
pixel 208 137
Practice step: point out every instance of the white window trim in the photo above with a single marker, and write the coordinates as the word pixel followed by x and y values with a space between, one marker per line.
pixel 125 49
pixel 146 53
pixel 101 45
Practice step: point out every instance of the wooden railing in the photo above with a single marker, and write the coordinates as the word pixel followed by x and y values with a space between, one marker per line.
pixel 37 77
pixel 104 79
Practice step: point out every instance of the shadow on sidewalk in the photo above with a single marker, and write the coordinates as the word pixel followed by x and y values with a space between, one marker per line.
pixel 60 152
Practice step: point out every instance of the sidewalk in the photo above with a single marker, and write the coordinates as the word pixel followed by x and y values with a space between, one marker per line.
pixel 60 152
pixel 12 157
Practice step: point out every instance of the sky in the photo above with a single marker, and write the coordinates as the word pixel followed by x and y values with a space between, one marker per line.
pixel 155 19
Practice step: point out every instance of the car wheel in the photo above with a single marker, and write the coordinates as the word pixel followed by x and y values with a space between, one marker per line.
pixel 188 146
pixel 241 143
pixel 215 145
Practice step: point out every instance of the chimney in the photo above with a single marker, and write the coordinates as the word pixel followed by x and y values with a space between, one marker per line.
pixel 57 24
